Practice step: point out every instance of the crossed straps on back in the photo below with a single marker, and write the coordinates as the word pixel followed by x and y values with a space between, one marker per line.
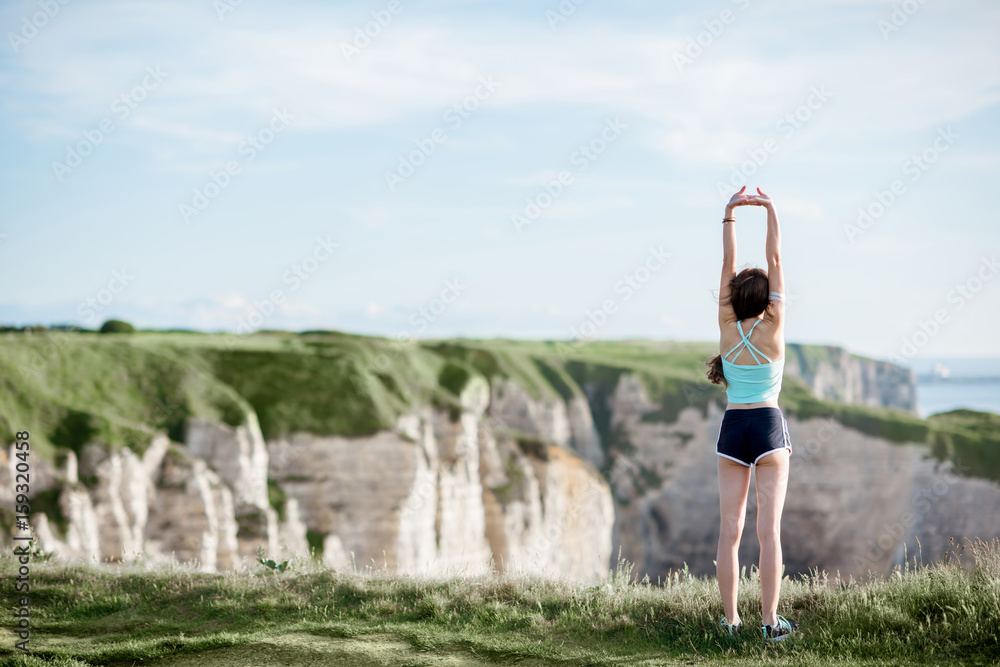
pixel 748 345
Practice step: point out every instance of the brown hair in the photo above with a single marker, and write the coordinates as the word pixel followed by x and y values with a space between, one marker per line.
pixel 749 298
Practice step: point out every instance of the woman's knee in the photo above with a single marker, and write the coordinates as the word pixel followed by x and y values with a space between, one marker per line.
pixel 768 534
pixel 731 530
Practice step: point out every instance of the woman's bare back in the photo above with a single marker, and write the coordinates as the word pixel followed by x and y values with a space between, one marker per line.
pixel 766 337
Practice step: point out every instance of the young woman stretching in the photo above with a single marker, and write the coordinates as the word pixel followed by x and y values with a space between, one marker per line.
pixel 754 432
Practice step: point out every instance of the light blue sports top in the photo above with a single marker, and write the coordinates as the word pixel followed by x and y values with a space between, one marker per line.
pixel 751 384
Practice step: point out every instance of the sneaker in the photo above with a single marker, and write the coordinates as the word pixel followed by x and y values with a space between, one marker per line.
pixel 782 630
pixel 733 629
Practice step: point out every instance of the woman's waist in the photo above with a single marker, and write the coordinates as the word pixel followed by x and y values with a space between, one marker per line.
pixel 759 406
pixel 758 390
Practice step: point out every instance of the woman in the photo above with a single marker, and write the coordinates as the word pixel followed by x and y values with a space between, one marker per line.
pixel 754 432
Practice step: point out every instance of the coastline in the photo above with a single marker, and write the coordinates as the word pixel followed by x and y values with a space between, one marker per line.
pixel 981 394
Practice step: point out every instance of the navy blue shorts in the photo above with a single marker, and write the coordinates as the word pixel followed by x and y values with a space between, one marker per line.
pixel 747 435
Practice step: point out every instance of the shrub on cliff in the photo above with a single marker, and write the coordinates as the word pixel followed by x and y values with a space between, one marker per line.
pixel 117 326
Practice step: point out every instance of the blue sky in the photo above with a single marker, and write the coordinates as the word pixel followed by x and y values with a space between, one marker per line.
pixel 121 120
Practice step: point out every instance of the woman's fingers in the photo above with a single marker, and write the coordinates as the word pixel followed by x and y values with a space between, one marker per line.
pixel 741 199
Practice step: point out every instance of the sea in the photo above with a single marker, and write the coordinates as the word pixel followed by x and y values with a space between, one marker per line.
pixel 950 383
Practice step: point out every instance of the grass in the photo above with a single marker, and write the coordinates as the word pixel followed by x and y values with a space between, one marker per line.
pixel 946 612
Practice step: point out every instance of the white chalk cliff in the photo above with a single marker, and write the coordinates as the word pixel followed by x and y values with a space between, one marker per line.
pixel 431 496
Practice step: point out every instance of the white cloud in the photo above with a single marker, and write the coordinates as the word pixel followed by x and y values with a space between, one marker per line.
pixel 725 102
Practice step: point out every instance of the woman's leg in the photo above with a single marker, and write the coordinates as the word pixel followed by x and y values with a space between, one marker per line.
pixel 734 483
pixel 772 481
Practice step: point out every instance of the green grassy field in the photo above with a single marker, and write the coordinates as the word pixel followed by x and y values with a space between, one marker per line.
pixel 945 613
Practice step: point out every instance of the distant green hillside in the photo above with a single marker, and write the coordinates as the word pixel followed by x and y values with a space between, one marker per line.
pixel 72 388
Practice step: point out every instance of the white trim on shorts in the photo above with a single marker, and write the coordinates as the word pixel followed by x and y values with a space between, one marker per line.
pixel 735 459
pixel 771 451
pixel 788 441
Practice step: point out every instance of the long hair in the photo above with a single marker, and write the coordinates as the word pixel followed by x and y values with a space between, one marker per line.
pixel 749 298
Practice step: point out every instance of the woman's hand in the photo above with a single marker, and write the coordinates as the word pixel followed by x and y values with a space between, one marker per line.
pixel 760 200
pixel 738 199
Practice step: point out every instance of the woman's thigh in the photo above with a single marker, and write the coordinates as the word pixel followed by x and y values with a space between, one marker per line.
pixel 771 483
pixel 734 484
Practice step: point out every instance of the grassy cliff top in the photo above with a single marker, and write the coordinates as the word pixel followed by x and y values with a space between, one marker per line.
pixel 71 388
pixel 942 613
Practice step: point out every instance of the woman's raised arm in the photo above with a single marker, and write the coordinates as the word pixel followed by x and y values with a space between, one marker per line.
pixel 772 249
pixel 729 254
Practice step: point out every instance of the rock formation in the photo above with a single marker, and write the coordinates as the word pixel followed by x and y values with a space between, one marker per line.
pixel 836 375
pixel 239 456
pixel 438 494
